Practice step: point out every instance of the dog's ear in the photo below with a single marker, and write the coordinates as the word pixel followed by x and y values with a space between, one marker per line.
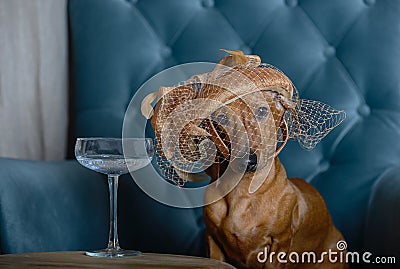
pixel 172 97
pixel 167 125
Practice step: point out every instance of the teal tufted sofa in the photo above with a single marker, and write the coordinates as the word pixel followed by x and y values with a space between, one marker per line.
pixel 342 52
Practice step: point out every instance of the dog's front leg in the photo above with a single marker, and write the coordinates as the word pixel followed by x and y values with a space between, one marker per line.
pixel 214 251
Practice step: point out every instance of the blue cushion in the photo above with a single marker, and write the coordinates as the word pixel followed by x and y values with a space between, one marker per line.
pixel 383 219
pixel 341 52
pixel 54 206
pixel 44 206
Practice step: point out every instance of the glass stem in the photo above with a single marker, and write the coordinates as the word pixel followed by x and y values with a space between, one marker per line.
pixel 113 242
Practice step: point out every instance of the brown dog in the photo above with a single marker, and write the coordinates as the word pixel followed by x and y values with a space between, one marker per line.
pixel 264 213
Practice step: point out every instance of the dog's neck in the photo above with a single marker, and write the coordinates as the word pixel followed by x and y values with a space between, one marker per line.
pixel 276 175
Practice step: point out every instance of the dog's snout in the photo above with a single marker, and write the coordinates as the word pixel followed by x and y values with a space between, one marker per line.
pixel 252 162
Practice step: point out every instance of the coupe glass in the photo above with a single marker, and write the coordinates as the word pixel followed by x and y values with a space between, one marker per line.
pixel 106 156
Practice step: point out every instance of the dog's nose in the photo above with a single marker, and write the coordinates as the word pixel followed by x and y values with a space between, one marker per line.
pixel 252 162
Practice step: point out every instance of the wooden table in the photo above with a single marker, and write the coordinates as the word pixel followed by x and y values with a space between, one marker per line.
pixel 76 259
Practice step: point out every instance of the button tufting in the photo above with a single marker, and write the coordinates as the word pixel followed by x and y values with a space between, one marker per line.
pixel 369 2
pixel 364 110
pixel 329 51
pixel 166 52
pixel 207 3
pixel 291 3
pixel 324 165
pixel 245 49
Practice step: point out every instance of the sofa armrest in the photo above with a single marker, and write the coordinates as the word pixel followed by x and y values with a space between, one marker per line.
pixel 383 221
pixel 50 206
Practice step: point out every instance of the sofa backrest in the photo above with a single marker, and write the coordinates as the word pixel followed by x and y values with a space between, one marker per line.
pixel 344 53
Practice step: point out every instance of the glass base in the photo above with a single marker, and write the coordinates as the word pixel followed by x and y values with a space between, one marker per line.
pixel 112 253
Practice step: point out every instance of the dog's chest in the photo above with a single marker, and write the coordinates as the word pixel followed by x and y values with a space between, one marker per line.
pixel 236 218
pixel 243 218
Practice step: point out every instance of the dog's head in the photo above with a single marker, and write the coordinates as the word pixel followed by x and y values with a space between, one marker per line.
pixel 234 116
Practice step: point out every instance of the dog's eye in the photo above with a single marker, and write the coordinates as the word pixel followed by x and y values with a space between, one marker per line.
pixel 261 113
pixel 221 119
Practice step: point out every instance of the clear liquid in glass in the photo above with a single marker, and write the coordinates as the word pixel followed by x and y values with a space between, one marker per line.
pixel 112 164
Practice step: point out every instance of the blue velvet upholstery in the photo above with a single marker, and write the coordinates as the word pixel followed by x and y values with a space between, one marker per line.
pixel 344 53
pixel 44 206
pixel 383 216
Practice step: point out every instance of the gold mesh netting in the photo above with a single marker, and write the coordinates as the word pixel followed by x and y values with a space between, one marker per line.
pixel 221 117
